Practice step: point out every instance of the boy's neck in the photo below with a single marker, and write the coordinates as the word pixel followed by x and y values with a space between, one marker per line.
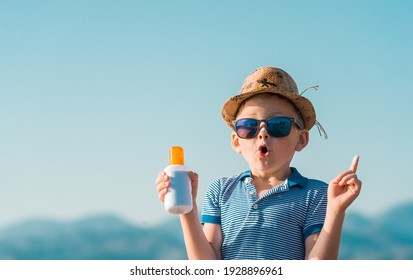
pixel 264 182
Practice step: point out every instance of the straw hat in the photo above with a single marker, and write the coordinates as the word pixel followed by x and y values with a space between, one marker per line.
pixel 274 80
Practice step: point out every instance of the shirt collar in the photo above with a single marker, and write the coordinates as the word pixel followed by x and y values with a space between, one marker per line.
pixel 295 179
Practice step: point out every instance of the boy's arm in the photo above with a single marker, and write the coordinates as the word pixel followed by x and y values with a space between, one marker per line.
pixel 201 243
pixel 325 245
pixel 342 191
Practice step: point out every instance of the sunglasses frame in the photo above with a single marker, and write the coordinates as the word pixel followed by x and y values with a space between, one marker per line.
pixel 291 120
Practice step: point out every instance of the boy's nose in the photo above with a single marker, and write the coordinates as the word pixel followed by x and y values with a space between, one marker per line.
pixel 263 133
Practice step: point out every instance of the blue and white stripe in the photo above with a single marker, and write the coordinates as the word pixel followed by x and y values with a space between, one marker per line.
pixel 272 227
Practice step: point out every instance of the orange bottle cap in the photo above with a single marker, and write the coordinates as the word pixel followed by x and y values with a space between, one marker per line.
pixel 176 155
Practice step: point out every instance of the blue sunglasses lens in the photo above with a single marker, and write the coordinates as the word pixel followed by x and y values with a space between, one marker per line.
pixel 246 128
pixel 279 127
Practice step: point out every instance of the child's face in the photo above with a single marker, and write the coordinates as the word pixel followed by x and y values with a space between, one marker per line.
pixel 265 154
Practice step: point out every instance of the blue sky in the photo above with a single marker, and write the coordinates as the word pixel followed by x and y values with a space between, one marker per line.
pixel 94 93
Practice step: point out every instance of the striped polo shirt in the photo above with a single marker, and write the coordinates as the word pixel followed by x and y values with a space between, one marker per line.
pixel 273 226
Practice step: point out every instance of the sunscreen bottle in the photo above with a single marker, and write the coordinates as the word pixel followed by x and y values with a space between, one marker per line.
pixel 178 199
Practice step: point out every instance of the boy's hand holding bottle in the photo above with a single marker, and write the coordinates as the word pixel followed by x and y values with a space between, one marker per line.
pixel 177 186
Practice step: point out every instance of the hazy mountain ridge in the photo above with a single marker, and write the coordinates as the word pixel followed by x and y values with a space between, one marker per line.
pixel 388 236
pixel 98 237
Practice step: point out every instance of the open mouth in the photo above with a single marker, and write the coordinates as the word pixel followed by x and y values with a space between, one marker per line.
pixel 263 151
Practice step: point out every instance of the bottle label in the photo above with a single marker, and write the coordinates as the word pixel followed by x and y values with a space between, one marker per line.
pixel 179 193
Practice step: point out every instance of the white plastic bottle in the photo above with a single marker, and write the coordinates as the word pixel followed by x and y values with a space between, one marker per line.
pixel 178 199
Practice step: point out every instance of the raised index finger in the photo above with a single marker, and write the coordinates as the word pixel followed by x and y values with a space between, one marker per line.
pixel 354 163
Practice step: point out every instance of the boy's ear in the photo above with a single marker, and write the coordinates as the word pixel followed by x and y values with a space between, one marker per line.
pixel 235 143
pixel 303 140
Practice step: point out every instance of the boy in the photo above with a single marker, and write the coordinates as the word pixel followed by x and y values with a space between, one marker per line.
pixel 269 211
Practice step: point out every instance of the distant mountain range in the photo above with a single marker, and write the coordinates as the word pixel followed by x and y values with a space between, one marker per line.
pixel 385 237
pixel 104 237
pixel 107 237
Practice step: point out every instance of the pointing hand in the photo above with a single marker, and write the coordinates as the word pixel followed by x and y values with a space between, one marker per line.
pixel 345 188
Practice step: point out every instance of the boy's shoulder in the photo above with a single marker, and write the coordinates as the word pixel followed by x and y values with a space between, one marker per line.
pixel 296 179
pixel 316 184
pixel 221 184
pixel 243 176
pixel 230 180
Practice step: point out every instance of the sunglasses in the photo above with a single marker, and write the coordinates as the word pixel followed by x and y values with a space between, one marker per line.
pixel 276 127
